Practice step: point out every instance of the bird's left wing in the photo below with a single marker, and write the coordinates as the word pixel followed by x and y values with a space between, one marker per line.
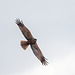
pixel 27 34
pixel 36 50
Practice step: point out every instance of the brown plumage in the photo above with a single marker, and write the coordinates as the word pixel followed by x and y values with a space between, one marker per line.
pixel 30 41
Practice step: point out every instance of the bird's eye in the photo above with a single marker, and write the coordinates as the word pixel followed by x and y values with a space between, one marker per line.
pixel 36 39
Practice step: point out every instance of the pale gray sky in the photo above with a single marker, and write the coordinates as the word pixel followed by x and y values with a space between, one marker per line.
pixel 52 22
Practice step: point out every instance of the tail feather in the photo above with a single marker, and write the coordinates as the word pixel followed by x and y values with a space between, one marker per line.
pixel 24 44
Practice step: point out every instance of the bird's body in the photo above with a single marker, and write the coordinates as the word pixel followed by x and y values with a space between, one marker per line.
pixel 30 41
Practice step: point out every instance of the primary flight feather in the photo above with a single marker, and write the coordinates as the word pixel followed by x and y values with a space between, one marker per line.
pixel 30 41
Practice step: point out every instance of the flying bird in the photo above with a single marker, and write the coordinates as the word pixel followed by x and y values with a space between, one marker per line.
pixel 30 41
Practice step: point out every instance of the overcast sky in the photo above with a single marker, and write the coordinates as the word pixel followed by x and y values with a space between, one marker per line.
pixel 52 23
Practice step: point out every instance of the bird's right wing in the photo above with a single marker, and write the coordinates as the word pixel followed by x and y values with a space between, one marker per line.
pixel 27 34
pixel 36 50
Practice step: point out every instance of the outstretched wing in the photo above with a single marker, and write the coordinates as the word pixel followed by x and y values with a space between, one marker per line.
pixel 27 34
pixel 36 50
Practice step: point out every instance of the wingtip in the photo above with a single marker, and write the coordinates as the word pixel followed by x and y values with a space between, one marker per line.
pixel 19 22
pixel 44 61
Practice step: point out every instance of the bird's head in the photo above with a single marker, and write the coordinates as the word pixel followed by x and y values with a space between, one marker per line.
pixel 35 39
pixel 32 41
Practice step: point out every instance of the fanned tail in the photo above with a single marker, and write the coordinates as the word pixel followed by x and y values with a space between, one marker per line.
pixel 24 44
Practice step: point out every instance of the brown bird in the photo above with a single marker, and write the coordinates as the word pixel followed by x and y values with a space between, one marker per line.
pixel 30 41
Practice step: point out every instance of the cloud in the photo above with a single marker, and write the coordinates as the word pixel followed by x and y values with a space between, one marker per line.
pixel 59 66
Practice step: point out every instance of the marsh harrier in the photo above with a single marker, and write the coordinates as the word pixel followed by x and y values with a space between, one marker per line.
pixel 30 41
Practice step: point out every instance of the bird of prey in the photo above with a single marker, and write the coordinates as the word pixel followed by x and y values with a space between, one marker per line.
pixel 30 41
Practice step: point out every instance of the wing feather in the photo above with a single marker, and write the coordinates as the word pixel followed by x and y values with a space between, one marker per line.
pixel 36 50
pixel 27 34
